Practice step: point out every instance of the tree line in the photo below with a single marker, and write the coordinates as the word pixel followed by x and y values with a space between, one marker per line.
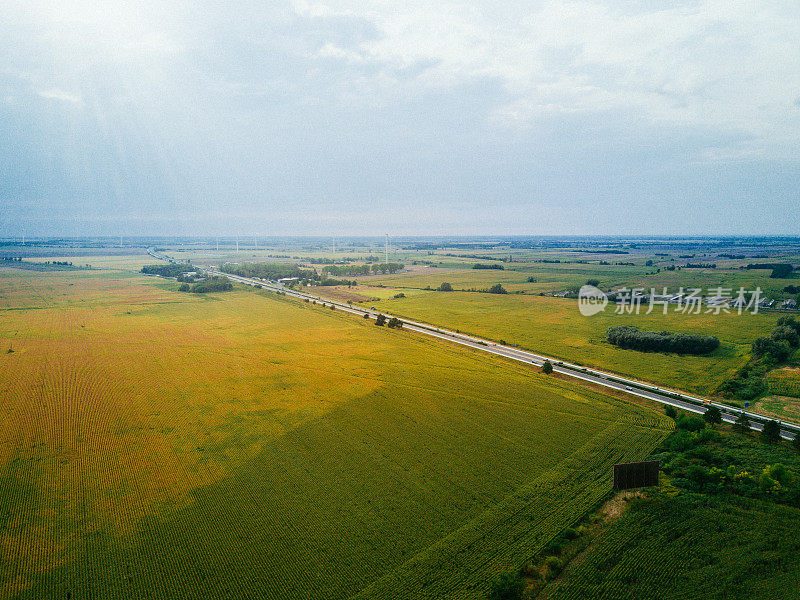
pixel 212 284
pixel 270 271
pixel 361 270
pixel 168 270
pixel 632 338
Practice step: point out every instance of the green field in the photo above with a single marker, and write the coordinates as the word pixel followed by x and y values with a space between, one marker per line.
pixel 724 523
pixel 555 327
pixel 241 445
pixel 784 382
pixel 690 546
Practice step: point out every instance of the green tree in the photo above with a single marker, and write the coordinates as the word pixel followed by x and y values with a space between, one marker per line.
pixel 796 441
pixel 395 322
pixel 742 423
pixel 547 367
pixel 670 412
pixel 771 432
pixel 713 415
pixel 380 321
pixel 445 287
pixel 497 289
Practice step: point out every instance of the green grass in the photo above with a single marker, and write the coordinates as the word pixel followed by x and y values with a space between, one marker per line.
pixel 554 326
pixel 690 546
pixel 241 445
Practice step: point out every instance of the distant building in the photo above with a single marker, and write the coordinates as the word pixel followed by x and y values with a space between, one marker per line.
pixel 790 304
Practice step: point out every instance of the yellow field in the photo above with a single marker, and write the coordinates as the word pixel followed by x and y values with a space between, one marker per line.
pixel 166 445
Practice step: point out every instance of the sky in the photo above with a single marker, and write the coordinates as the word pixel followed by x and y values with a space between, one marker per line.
pixel 345 117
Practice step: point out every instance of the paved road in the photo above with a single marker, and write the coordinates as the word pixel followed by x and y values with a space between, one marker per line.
pixel 666 396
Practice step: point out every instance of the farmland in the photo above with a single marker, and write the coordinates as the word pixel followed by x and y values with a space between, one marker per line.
pixel 724 523
pixel 784 382
pixel 165 445
pixel 554 326
pixel 690 546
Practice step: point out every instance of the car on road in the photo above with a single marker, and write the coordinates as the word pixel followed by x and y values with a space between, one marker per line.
pixel 629 388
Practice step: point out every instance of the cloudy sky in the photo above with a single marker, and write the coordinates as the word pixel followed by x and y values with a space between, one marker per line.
pixel 416 117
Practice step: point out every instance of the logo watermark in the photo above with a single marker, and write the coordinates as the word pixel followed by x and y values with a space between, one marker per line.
pixel 591 300
pixel 689 301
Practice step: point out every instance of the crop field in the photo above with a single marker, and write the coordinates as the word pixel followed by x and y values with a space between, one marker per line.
pixel 164 445
pixel 784 382
pixel 690 546
pixel 554 326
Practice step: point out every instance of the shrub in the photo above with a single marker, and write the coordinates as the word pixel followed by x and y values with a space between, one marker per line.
pixel 690 423
pixel 497 289
pixel 570 533
pixel 445 287
pixel 506 586
pixel 554 566
pixel 547 367
pixel 671 412
pixel 380 321
pixel 553 548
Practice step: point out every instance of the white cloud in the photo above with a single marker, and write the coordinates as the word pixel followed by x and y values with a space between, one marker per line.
pixel 62 95
pixel 730 65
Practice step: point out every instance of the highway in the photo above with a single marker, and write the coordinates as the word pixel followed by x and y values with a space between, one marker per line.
pixel 634 387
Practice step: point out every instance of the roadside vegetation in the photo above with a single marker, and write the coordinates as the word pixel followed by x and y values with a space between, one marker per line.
pixel 767 354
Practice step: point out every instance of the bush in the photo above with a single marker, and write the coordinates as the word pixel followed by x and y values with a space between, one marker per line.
pixel 506 586
pixel 671 412
pixel 184 287
pixel 380 321
pixel 776 349
pixel 690 423
pixel 445 287
pixel 787 334
pixel 553 548
pixel 547 367
pixel 570 533
pixel 554 566
pixel 497 289
pixel 394 322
